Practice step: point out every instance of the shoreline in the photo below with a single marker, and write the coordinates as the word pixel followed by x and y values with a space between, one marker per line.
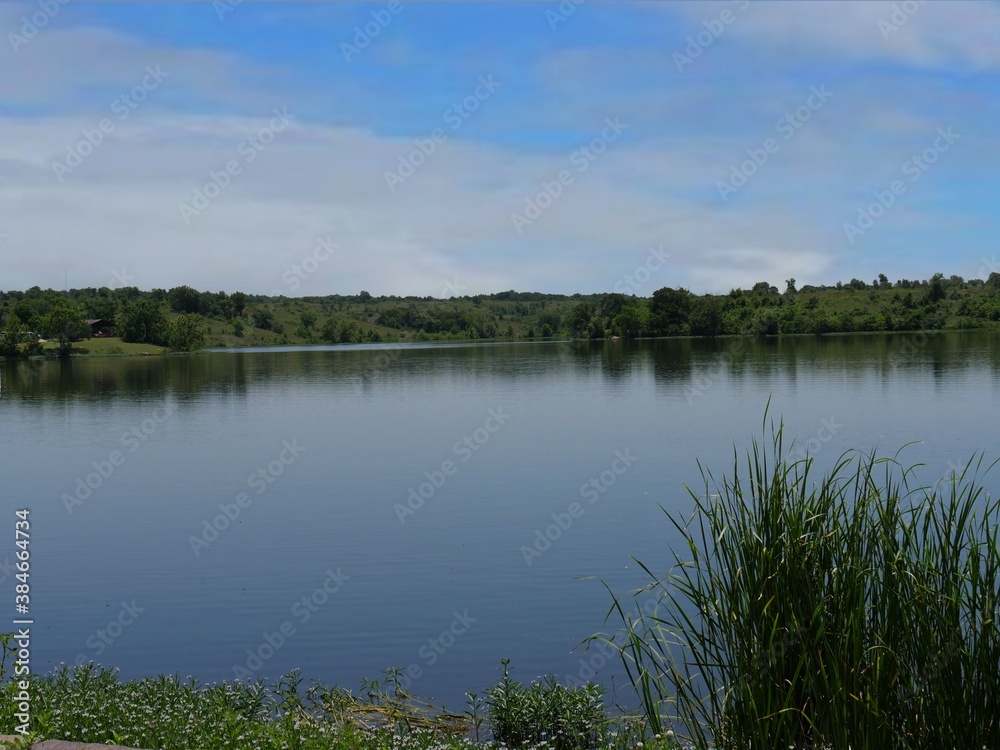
pixel 162 351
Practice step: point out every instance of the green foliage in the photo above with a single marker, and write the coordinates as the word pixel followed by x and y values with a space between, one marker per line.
pixel 142 322
pixel 187 333
pixel 579 318
pixel 64 322
pixel 90 704
pixel 546 713
pixel 262 318
pixel 258 320
pixel 236 307
pixel 184 299
pixel 16 340
pixel 329 331
pixel 8 652
pixel 857 611
pixel 670 312
pixel 705 316
pixel 936 292
pixel 632 321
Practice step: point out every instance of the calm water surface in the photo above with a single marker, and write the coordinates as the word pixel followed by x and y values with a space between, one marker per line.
pixel 313 453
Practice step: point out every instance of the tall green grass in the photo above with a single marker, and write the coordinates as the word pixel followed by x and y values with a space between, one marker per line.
pixel 856 610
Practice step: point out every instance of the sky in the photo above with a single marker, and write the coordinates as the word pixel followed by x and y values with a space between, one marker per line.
pixel 469 148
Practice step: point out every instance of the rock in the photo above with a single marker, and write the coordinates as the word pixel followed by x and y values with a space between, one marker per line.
pixel 61 745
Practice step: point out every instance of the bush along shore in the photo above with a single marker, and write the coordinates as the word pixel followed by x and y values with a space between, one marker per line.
pixel 857 610
pixel 127 320
pixel 91 704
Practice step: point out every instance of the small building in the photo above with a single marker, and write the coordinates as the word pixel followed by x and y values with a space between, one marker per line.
pixel 99 327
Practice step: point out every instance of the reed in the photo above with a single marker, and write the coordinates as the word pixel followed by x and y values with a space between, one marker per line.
pixel 856 611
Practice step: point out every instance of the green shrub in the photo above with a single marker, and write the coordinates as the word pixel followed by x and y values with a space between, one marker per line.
pixel 546 712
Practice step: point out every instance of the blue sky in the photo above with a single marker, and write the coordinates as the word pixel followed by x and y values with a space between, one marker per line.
pixel 743 141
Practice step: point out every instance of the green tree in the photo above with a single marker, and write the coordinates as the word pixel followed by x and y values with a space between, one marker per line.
pixel 27 314
pixel 184 299
pixel 13 335
pixel 187 333
pixel 669 312
pixel 142 322
pixel 936 291
pixel 631 322
pixel 579 317
pixel 263 319
pixel 329 331
pixel 348 332
pixel 549 318
pixel 612 304
pixel 102 307
pixel 237 304
pixel 64 322
pixel 705 318
pixel 308 318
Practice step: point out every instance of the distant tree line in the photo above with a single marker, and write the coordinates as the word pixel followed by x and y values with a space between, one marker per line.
pixel 182 317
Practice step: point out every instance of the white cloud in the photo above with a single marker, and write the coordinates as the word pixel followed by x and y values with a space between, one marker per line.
pixel 451 219
pixel 959 33
pixel 120 208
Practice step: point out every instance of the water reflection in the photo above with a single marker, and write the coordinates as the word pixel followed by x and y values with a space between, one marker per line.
pixel 678 362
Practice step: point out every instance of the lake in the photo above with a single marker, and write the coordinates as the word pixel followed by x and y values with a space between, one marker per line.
pixel 431 507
